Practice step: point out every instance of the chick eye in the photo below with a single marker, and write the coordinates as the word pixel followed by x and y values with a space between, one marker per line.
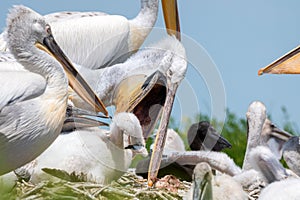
pixel 48 29
pixel 170 72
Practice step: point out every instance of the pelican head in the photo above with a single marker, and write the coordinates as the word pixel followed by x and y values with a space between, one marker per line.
pixel 25 26
pixel 256 117
pixel 202 181
pixel 203 136
pixel 274 137
pixel 271 130
pixel 129 125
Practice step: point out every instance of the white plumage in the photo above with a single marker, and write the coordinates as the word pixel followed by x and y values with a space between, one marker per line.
pixel 97 155
pixel 33 104
pixel 101 39
pixel 208 187
pixel 34 89
pixel 282 184
pixel 291 154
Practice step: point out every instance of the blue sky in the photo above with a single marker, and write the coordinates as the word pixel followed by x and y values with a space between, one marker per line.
pixel 238 36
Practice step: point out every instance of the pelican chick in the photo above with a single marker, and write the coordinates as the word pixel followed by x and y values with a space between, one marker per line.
pixel 261 131
pixel 282 184
pixel 274 138
pixel 291 154
pixel 203 136
pixel 33 103
pixel 282 190
pixel 265 162
pixel 91 153
pixel 256 116
pixel 205 186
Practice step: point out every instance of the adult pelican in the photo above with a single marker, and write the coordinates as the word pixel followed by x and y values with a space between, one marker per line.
pixel 33 103
pixel 103 40
pixel 141 88
pixel 145 84
pixel 167 59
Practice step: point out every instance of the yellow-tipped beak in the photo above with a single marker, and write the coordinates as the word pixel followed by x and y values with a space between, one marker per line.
pixel 287 64
pixel 171 17
pixel 76 82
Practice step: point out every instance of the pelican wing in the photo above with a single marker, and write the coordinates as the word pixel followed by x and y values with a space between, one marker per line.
pixel 17 86
pixel 6 56
pixel 66 15
pixel 94 47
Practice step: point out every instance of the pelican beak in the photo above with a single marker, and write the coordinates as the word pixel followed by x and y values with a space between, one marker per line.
pixel 202 189
pixel 76 82
pixel 79 118
pixel 138 149
pixel 171 17
pixel 280 134
pixel 73 123
pixel 215 141
pixel 161 135
pixel 287 64
pixel 144 96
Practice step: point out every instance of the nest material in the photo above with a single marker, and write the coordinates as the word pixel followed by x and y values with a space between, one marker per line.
pixel 129 186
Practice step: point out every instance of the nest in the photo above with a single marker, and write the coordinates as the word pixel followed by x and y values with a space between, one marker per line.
pixel 129 186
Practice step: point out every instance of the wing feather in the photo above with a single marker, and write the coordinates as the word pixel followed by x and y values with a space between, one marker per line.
pixel 17 86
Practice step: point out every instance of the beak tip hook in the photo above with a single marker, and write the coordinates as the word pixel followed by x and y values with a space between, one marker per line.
pixel 260 72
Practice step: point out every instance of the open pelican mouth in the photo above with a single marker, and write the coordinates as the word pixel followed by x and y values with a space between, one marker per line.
pixel 144 96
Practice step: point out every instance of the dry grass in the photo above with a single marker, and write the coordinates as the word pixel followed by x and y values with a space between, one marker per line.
pixel 127 187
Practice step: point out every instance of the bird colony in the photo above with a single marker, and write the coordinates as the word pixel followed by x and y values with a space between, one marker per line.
pixel 60 72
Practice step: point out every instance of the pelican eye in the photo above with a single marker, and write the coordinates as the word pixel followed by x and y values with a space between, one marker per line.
pixel 48 29
pixel 170 73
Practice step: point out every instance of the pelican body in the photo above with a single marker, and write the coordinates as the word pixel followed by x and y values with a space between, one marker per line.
pixel 33 102
pixel 91 154
pixel 291 154
pixel 261 131
pixel 282 185
pixel 104 39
